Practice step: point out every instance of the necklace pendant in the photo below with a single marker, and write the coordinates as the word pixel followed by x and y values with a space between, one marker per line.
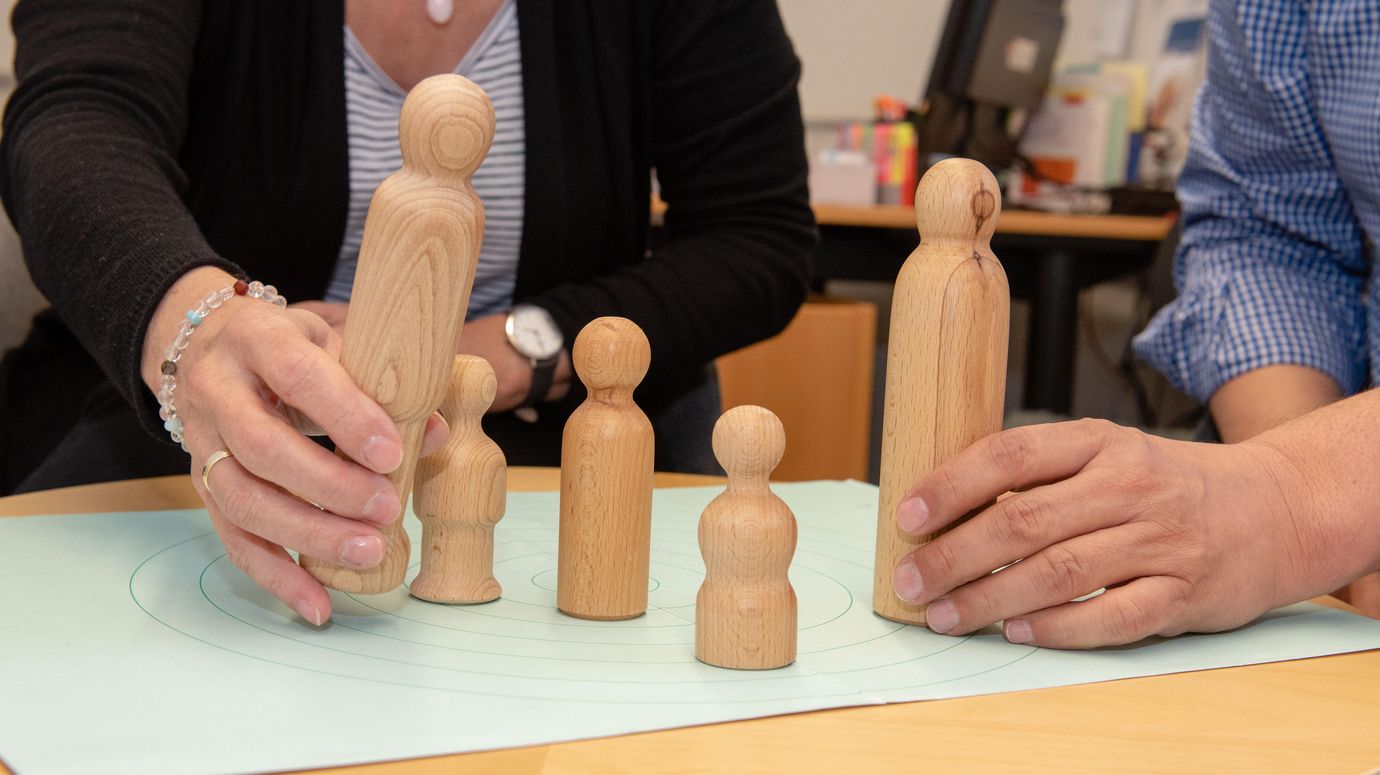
pixel 440 11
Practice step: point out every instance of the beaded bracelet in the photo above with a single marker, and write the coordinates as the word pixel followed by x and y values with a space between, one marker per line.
pixel 256 290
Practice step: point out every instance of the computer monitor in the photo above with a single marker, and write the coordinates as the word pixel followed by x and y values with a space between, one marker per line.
pixel 994 56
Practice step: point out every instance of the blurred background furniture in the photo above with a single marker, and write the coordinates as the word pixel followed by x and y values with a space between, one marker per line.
pixel 817 376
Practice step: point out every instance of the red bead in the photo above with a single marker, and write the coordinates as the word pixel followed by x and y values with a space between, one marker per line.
pixel 241 287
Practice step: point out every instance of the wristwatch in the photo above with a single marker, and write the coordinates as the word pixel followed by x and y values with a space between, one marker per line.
pixel 533 333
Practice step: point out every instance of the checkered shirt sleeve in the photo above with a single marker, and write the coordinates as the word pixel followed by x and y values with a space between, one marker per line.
pixel 1271 267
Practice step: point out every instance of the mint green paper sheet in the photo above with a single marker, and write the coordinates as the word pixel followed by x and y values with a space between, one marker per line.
pixel 128 644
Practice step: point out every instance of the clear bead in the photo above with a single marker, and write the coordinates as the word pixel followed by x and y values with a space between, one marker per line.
pixel 169 382
pixel 165 397
pixel 181 341
pixel 166 412
pixel 187 328
pixel 270 292
pixel 256 289
pixel 280 302
pixel 215 301
pixel 203 309
pixel 171 354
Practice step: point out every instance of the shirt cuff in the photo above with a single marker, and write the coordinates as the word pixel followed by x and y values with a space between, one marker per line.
pixel 1231 324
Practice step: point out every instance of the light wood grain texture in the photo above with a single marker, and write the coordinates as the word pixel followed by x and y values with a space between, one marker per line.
pixel 745 612
pixel 461 494
pixel 606 479
pixel 412 285
pixel 1136 228
pixel 1314 715
pixel 946 359
pixel 817 377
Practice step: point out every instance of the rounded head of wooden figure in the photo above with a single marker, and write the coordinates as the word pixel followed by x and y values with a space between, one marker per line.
pixel 472 388
pixel 958 199
pixel 446 126
pixel 749 442
pixel 611 353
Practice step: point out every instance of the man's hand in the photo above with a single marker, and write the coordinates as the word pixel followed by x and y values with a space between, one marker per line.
pixel 1184 537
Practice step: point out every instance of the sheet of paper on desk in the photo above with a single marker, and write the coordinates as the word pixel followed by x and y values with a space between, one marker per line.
pixel 129 644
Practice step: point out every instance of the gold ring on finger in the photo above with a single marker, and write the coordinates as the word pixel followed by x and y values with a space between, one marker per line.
pixel 210 463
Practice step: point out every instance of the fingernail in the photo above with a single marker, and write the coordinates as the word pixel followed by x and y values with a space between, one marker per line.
pixel 308 611
pixel 361 551
pixel 912 514
pixel 941 616
pixel 907 582
pixel 1018 631
pixel 435 435
pixel 382 454
pixel 383 507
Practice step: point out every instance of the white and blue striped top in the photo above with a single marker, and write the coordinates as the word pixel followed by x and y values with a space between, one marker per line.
pixel 373 102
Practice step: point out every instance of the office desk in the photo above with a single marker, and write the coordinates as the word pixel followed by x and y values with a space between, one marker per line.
pixel 1048 258
pixel 1315 715
pixel 1143 228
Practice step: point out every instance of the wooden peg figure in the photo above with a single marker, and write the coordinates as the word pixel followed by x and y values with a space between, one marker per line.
pixel 745 613
pixel 606 479
pixel 946 364
pixel 412 286
pixel 460 495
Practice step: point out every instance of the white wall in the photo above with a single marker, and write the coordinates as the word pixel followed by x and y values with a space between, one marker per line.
pixel 853 51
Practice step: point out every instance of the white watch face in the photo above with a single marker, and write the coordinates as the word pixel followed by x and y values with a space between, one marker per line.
pixel 532 331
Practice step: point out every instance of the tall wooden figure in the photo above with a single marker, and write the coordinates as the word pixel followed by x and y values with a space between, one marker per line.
pixel 461 494
pixel 606 479
pixel 745 613
pixel 412 285
pixel 946 366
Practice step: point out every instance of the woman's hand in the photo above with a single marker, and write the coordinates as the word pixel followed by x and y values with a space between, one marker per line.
pixel 1184 537
pixel 333 312
pixel 246 358
pixel 486 338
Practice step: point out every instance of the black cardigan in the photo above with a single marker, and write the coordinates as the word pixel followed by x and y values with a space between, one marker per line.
pixel 147 137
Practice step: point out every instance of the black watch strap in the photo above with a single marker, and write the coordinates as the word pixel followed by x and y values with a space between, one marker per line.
pixel 543 373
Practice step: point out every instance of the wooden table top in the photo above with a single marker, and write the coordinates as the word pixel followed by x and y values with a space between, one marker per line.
pixel 1136 228
pixel 1312 715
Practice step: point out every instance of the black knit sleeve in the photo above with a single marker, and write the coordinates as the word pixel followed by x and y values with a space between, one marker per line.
pixel 728 147
pixel 90 176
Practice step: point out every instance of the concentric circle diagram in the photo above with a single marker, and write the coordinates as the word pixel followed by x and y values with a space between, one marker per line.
pixel 520 646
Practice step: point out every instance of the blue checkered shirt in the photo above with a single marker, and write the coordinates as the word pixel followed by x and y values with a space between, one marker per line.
pixel 1281 198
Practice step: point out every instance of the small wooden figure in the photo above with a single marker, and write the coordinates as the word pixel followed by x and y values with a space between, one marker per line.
pixel 946 361
pixel 412 286
pixel 606 479
pixel 460 495
pixel 745 613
